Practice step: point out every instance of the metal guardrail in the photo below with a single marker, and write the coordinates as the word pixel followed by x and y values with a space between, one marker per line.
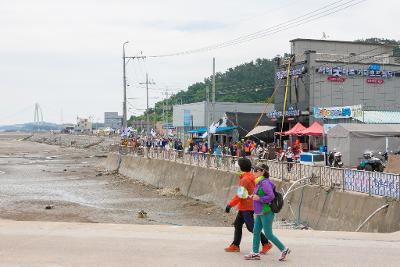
pixel 372 183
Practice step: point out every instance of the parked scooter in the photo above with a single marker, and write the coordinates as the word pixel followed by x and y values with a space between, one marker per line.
pixel 331 157
pixel 335 159
pixel 371 163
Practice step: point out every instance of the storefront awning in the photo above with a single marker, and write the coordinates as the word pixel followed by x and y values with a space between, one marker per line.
pixel 260 129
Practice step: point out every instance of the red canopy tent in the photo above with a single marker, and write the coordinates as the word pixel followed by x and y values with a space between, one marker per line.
pixel 295 130
pixel 315 129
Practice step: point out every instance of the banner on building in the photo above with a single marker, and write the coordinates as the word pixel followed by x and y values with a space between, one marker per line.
pixel 276 114
pixel 284 73
pixel 372 72
pixel 338 112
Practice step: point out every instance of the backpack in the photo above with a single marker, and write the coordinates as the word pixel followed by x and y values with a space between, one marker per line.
pixel 276 204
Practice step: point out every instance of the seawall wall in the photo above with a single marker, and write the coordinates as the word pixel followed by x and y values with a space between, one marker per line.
pixel 101 143
pixel 320 208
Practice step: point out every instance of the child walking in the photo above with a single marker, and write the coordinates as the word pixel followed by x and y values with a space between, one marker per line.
pixel 245 207
pixel 262 195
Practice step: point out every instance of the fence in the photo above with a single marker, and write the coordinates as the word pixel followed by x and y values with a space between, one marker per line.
pixel 372 183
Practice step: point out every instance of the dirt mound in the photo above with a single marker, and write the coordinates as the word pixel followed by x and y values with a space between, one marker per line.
pixel 169 192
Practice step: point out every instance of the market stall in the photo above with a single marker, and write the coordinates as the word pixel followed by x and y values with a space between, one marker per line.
pixel 352 140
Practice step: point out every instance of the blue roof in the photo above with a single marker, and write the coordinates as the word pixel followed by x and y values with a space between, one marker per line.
pixel 218 130
pixel 225 129
pixel 200 130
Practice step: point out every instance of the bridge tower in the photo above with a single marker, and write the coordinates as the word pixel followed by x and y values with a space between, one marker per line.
pixel 38 117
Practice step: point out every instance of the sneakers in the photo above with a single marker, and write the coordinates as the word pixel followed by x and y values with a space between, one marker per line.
pixel 232 248
pixel 252 256
pixel 285 254
pixel 266 248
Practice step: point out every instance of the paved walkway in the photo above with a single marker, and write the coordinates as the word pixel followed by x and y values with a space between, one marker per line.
pixel 39 244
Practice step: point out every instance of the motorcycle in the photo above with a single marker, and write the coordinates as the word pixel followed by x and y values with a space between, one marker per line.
pixel 371 163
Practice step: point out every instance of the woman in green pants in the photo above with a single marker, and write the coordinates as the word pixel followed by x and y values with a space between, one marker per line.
pixel 262 195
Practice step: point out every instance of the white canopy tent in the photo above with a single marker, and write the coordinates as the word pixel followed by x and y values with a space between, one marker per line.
pixel 355 139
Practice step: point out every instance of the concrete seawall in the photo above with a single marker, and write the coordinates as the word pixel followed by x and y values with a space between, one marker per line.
pixel 102 143
pixel 196 182
pixel 320 208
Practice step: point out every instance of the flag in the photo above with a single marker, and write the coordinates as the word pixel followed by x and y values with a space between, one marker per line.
pixel 153 133
pixel 213 127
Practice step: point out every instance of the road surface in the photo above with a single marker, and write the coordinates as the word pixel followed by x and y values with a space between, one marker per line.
pixel 45 244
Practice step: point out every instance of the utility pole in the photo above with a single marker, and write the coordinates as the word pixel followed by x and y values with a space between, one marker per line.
pixel 124 113
pixel 212 104
pixel 166 106
pixel 163 112
pixel 154 118
pixel 124 62
pixel 213 91
pixel 208 115
pixel 147 103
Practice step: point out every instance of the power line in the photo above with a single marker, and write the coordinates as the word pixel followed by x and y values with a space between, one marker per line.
pixel 278 26
pixel 296 22
pixel 263 14
pixel 324 11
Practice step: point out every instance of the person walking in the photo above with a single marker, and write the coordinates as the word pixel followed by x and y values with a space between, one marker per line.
pixel 245 207
pixel 263 194
pixel 218 154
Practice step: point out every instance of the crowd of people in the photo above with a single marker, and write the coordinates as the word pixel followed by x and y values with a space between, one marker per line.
pixel 242 148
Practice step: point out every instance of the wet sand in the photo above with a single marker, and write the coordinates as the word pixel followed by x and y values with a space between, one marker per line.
pixel 40 182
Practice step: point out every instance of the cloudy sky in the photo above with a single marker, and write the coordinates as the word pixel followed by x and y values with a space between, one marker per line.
pixel 66 55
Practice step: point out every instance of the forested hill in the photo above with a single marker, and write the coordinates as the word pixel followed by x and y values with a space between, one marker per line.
pixel 249 82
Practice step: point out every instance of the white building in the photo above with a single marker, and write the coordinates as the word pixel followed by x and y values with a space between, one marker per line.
pixel 193 116
pixel 112 120
pixel 83 125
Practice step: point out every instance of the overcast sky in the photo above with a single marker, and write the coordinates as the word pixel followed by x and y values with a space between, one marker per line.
pixel 66 55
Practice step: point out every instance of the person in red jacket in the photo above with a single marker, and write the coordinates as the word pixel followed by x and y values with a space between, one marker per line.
pixel 245 206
